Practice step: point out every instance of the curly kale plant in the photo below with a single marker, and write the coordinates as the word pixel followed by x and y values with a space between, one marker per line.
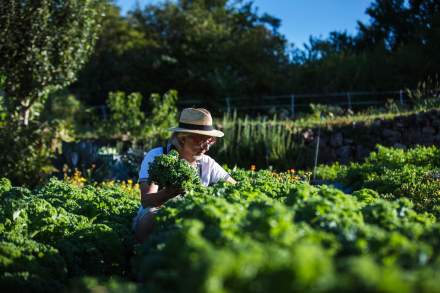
pixel 171 171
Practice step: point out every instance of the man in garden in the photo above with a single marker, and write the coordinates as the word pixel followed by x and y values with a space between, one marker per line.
pixel 191 139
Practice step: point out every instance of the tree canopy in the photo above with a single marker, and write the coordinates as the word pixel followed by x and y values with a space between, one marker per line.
pixel 202 48
pixel 42 46
pixel 212 49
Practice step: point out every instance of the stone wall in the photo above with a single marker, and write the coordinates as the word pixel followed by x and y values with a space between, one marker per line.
pixel 354 142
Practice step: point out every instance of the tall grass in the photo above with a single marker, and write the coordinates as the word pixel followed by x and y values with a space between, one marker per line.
pixel 261 142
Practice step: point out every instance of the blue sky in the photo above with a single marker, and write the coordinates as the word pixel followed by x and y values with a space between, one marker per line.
pixel 301 18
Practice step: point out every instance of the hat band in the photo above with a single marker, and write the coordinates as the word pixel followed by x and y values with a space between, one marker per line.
pixel 195 127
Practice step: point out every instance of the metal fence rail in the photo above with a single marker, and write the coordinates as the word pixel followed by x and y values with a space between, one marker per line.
pixel 295 103
pixel 291 104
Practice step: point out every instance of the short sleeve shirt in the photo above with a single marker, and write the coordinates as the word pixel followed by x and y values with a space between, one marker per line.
pixel 210 171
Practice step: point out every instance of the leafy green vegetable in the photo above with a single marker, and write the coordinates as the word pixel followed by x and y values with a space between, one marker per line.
pixel 269 231
pixel 171 171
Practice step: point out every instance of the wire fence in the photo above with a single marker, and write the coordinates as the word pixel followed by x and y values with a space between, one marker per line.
pixel 296 103
pixel 291 104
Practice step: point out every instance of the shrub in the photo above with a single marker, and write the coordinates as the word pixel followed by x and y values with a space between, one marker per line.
pixel 26 152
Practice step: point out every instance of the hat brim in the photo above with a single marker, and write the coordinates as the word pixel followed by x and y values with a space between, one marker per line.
pixel 214 132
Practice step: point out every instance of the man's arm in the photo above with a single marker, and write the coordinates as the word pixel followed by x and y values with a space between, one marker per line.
pixel 231 180
pixel 151 196
pixel 218 173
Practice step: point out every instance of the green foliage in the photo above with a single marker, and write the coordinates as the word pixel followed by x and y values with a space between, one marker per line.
pixel 27 153
pixel 320 109
pixel 270 231
pixel 248 238
pixel 211 50
pixel 220 49
pixel 66 112
pixel 163 114
pixel 44 44
pixel 426 93
pixel 62 106
pixel 365 275
pixel 117 63
pixel 93 284
pixel 5 185
pixel 126 114
pixel 172 171
pixel 31 266
pixel 60 231
pixel 3 113
pixel 366 195
pixel 396 173
pixel 203 48
pixel 128 118
pixel 261 142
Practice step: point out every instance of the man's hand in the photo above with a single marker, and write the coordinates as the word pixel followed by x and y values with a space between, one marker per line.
pixel 173 191
pixel 151 196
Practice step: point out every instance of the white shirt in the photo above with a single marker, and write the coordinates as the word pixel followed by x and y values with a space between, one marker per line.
pixel 211 171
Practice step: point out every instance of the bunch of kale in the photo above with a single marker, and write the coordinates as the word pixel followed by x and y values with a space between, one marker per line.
pixel 172 171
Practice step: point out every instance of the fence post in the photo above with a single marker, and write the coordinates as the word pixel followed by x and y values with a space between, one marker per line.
pixel 103 111
pixel 401 97
pixel 228 105
pixel 349 100
pixel 315 162
pixel 292 106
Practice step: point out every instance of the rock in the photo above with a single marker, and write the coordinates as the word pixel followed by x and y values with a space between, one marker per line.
pixel 361 152
pixel 386 124
pixel 359 124
pixel 436 124
pixel 428 130
pixel 323 141
pixel 336 139
pixel 399 146
pixel 413 136
pixel 421 120
pixel 402 132
pixel 377 122
pixel 412 119
pixel 326 155
pixel 391 135
pixel 427 139
pixel 344 154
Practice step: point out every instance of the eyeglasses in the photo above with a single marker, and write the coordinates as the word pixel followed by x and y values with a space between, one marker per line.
pixel 202 139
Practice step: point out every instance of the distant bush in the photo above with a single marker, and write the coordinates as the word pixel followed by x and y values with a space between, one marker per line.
pixel 128 118
pixel 26 152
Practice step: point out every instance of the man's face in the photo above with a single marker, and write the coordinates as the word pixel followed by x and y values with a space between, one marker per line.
pixel 197 144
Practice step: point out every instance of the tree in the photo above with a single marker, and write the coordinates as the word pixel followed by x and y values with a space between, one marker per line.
pixel 43 44
pixel 206 49
pixel 409 33
pixel 217 47
pixel 119 62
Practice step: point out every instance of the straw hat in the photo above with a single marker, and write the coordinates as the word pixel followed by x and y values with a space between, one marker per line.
pixel 196 120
